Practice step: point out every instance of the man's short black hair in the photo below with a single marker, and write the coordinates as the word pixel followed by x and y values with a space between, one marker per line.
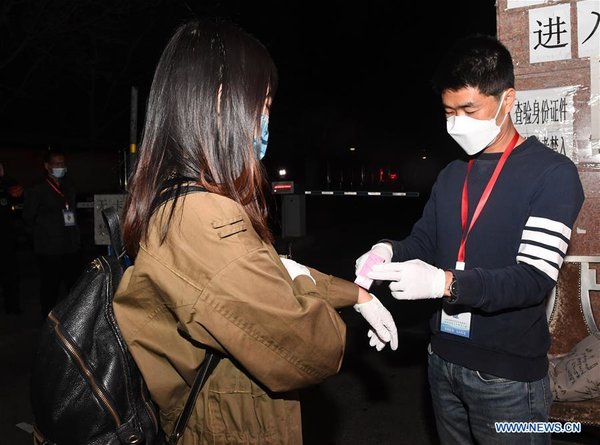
pixel 479 61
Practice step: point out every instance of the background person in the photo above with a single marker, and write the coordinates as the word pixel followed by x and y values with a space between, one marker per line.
pixel 489 245
pixel 49 215
pixel 206 272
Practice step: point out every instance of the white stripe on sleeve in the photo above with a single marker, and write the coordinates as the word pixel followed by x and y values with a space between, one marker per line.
pixel 541 265
pixel 546 239
pixel 541 253
pixel 549 224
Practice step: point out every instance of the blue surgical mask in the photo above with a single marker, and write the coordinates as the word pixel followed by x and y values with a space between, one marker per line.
pixel 260 148
pixel 59 172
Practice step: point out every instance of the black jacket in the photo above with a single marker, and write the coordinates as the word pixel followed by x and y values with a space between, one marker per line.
pixel 43 215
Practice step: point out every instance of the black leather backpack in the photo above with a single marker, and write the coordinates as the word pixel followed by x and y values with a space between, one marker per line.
pixel 85 386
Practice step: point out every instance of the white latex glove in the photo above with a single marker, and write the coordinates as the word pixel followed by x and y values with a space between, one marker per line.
pixel 383 329
pixel 411 280
pixel 294 269
pixel 384 250
pixel 375 341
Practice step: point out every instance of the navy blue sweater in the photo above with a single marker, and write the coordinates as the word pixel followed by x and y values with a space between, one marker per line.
pixel 513 254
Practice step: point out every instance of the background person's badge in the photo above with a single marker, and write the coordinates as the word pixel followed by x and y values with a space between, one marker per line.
pixel 69 217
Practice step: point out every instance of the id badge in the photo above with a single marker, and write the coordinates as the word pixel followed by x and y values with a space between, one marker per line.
pixel 457 324
pixel 69 217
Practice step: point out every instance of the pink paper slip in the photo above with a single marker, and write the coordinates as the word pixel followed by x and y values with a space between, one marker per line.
pixel 361 278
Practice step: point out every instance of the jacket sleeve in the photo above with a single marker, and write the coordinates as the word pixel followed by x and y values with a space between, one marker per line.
pixel 287 336
pixel 336 291
pixel 544 242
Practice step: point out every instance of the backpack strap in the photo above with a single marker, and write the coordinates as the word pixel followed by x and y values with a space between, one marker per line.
pixel 211 359
pixel 111 219
pixel 174 191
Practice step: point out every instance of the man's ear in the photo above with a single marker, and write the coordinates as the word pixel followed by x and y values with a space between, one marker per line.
pixel 509 99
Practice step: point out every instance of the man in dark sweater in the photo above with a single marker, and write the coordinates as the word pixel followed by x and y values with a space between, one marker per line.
pixel 49 213
pixel 489 245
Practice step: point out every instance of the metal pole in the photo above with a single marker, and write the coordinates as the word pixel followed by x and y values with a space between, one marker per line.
pixel 132 134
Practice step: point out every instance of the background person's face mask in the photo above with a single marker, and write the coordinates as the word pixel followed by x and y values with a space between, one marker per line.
pixel 473 135
pixel 260 147
pixel 59 172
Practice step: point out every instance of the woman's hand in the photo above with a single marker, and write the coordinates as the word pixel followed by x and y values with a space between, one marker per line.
pixel 383 329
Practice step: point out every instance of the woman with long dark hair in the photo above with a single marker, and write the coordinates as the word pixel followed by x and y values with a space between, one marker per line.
pixel 206 273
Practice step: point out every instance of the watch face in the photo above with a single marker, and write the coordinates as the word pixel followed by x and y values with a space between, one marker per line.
pixel 453 290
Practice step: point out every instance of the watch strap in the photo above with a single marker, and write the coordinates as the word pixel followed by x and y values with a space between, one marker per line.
pixel 452 290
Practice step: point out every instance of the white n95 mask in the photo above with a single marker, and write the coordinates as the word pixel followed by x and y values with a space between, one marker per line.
pixel 473 135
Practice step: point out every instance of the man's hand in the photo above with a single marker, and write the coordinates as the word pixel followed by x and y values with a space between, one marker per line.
pixel 411 280
pixel 383 250
pixel 383 329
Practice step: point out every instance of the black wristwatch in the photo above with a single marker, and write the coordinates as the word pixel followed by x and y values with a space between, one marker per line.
pixel 452 290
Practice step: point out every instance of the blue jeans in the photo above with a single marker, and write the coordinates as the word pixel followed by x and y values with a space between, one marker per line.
pixel 467 403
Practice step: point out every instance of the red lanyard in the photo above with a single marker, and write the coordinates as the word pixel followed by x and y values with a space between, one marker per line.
pixel 57 190
pixel 464 208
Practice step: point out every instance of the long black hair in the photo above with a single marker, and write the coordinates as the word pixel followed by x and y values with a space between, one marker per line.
pixel 209 90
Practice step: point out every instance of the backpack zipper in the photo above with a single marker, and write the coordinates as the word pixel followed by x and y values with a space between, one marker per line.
pixel 72 350
pixel 96 264
pixel 149 408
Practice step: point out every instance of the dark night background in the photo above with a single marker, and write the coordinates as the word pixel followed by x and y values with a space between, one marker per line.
pixel 351 74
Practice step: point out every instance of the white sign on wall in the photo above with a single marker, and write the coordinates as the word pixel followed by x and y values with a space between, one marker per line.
pixel 101 236
pixel 550 33
pixel 510 4
pixel 592 154
pixel 588 28
pixel 547 114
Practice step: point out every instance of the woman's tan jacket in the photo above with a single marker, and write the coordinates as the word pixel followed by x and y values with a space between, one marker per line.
pixel 215 279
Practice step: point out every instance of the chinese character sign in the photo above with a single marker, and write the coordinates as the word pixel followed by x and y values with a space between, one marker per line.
pixel 101 236
pixel 588 28
pixel 550 33
pixel 547 114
